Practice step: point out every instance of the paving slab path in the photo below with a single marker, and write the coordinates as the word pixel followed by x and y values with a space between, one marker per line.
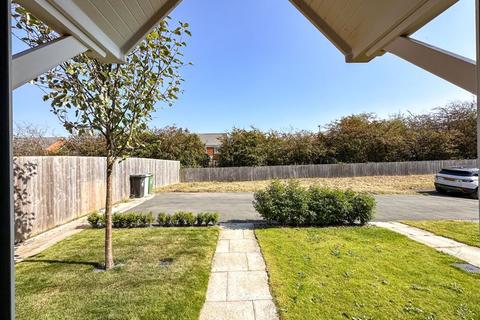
pixel 457 249
pixel 238 286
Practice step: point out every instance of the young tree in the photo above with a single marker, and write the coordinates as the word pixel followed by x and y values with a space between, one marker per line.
pixel 113 100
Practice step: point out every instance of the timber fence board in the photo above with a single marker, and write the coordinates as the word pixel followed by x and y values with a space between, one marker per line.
pixel 55 190
pixel 319 170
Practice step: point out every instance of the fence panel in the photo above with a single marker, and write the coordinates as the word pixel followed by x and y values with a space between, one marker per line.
pixel 319 170
pixel 50 191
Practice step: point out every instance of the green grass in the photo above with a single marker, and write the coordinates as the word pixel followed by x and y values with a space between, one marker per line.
pixel 461 231
pixel 60 283
pixel 364 273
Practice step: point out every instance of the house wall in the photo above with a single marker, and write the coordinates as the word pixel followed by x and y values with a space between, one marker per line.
pixel 50 191
pixel 318 171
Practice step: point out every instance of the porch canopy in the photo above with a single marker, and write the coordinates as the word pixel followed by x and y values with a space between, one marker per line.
pixel 110 29
pixel 360 29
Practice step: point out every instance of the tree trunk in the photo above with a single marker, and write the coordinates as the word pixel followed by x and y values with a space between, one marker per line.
pixel 108 215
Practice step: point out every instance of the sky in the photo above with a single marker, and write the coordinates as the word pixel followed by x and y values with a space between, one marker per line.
pixel 261 63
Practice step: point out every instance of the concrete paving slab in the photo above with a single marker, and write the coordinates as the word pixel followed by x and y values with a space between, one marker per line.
pixel 255 262
pixel 231 234
pixel 244 245
pixel 457 249
pixel 238 310
pixel 217 287
pixel 238 286
pixel 248 234
pixel 229 261
pixel 265 310
pixel 251 285
pixel 223 246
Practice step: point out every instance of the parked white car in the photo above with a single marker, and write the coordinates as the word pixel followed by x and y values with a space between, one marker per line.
pixel 457 179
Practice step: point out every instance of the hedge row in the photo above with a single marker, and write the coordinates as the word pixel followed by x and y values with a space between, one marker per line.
pixel 141 220
pixel 291 204
pixel 186 218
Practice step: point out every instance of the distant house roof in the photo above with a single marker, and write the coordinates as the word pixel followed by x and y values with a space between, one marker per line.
pixel 56 145
pixel 211 139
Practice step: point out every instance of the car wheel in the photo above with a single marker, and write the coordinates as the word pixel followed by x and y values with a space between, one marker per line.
pixel 475 194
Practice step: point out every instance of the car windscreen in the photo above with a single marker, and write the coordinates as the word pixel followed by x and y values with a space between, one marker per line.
pixel 460 173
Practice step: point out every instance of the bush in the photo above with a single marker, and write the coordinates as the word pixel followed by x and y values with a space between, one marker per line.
pixel 327 206
pixel 132 219
pixel 201 218
pixel 290 204
pixel 162 219
pixel 363 206
pixel 141 220
pixel 96 220
pixel 178 218
pixel 189 218
pixel 211 218
pixel 145 219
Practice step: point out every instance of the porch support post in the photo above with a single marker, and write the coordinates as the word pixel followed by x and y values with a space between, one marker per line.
pixel 7 267
pixel 477 78
pixel 447 65
pixel 29 64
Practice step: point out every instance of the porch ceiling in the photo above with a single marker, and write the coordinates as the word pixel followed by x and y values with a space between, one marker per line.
pixel 360 29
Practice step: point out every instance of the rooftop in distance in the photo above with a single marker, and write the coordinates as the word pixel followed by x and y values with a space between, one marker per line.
pixel 211 139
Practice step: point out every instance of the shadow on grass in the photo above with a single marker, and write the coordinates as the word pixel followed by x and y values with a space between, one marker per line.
pixel 71 262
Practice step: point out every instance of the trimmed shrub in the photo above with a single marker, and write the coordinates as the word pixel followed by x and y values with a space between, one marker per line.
pixel 211 218
pixel 142 220
pixel 145 219
pixel 327 206
pixel 96 220
pixel 362 208
pixel 179 218
pixel 290 204
pixel 168 220
pixel 162 219
pixel 201 218
pixel 189 218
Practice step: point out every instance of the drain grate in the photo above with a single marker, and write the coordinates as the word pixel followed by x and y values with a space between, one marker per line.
pixel 467 267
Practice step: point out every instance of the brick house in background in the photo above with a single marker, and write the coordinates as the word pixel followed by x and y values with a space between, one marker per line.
pixel 212 143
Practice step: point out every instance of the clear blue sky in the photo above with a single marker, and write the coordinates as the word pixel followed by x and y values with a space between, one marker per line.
pixel 262 63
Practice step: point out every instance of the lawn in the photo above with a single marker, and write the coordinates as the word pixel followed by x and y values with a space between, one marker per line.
pixel 461 231
pixel 62 283
pixel 375 184
pixel 364 273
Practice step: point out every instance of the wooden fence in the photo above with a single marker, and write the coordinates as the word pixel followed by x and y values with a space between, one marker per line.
pixel 50 191
pixel 319 171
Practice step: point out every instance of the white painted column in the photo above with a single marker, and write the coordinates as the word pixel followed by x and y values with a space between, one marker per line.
pixel 477 32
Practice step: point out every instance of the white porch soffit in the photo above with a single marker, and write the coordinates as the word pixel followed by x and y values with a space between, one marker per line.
pixel 360 29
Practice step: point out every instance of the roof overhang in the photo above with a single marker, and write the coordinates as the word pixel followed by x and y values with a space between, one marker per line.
pixel 362 29
pixel 109 28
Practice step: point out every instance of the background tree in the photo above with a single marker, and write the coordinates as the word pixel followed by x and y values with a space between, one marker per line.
pixel 30 140
pixel 242 147
pixel 111 100
pixel 172 143
pixel 84 145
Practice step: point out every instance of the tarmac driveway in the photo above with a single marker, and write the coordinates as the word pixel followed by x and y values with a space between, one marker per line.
pixel 238 206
